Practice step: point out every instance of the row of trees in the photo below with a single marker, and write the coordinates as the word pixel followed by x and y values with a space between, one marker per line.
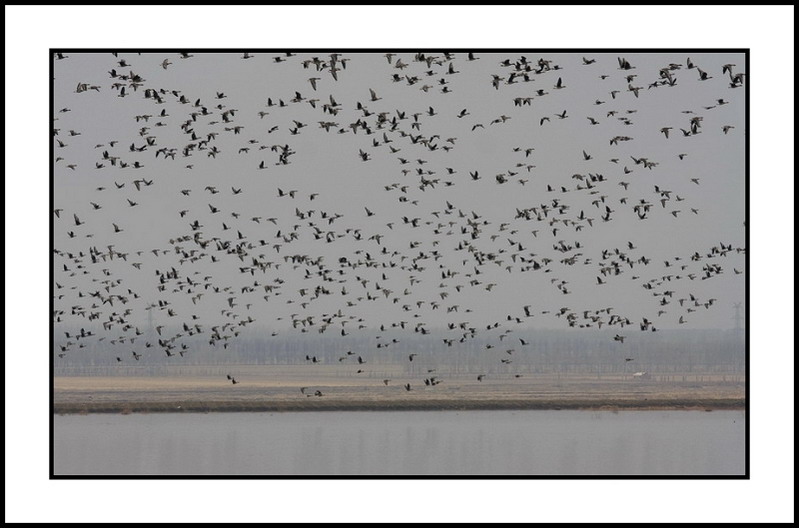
pixel 542 352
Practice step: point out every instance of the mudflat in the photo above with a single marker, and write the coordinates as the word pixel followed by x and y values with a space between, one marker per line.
pixel 288 388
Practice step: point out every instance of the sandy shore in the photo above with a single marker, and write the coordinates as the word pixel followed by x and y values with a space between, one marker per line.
pixel 268 391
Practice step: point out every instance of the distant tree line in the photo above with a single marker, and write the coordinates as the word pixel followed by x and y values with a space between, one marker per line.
pixel 543 351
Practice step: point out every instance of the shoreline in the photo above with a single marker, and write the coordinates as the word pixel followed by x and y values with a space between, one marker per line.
pixel 145 407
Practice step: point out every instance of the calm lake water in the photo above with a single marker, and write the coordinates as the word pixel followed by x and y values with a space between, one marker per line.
pixel 403 443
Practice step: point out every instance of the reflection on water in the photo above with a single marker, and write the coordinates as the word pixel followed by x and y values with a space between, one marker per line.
pixel 409 443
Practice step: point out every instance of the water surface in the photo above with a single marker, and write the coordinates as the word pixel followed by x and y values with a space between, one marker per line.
pixel 403 443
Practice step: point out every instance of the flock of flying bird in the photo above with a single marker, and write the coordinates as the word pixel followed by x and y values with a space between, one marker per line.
pixel 432 257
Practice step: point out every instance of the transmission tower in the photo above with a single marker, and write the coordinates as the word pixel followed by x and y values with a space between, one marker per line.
pixel 738 317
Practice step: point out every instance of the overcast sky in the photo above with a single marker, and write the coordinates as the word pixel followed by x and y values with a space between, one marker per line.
pixel 598 209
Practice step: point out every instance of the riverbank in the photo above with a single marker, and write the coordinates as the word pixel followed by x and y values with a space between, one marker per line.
pixel 272 393
pixel 727 404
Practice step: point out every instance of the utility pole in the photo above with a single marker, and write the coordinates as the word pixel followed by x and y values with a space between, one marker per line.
pixel 737 318
pixel 150 327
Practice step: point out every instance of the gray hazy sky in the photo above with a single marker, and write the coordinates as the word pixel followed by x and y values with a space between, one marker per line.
pixel 564 231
